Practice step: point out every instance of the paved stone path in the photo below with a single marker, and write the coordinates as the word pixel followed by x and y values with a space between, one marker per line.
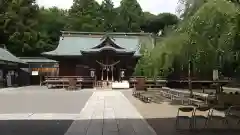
pixel 109 113
pixel 105 113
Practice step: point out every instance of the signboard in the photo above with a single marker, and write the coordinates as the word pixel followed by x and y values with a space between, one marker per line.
pixel 215 75
pixel 122 74
pixel 92 73
pixel 34 73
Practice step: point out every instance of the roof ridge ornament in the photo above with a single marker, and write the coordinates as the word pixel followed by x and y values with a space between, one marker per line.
pixel 107 35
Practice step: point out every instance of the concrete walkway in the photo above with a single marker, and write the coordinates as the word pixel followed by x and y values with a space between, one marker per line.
pixel 109 113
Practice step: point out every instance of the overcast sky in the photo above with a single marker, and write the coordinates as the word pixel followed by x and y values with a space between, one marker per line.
pixel 153 6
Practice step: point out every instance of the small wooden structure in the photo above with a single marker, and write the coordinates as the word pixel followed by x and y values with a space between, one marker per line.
pixel 140 83
pixel 143 83
pixel 72 84
pixel 9 69
pixel 38 68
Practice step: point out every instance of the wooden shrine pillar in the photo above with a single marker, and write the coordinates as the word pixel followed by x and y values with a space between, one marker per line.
pixel 107 72
pixel 112 73
pixel 102 74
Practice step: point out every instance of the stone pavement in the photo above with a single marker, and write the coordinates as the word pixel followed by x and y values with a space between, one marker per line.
pixel 32 111
pixel 109 113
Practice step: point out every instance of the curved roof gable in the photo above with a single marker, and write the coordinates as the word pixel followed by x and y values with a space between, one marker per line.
pixel 107 41
pixel 73 45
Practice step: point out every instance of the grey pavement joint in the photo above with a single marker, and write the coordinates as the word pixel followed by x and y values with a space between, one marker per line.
pixel 109 113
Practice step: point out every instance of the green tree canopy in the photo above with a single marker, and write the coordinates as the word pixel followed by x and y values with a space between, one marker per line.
pixel 108 15
pixel 160 22
pixel 207 38
pixel 18 25
pixel 130 16
pixel 84 15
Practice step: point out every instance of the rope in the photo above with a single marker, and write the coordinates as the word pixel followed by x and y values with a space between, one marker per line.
pixel 105 65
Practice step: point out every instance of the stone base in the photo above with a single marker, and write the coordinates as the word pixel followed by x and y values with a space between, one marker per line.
pixel 121 85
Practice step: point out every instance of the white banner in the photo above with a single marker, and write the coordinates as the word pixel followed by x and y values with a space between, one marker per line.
pixel 34 73
pixel 92 73
pixel 215 75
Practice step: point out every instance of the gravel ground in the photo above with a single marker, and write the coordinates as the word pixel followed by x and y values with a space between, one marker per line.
pixel 162 117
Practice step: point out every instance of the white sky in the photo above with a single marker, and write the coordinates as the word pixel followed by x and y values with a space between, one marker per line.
pixel 153 6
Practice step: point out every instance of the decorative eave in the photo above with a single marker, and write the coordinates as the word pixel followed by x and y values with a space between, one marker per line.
pixel 107 40
pixel 107 48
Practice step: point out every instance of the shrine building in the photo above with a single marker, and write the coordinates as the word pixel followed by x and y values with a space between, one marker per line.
pixel 105 56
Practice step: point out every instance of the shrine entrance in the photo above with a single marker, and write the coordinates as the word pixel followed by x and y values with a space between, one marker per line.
pixel 108 72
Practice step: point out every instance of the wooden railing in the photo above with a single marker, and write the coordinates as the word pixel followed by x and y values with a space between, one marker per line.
pixel 159 82
pixel 148 82
pixel 63 81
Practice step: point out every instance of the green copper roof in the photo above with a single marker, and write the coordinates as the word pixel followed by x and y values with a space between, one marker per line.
pixel 36 60
pixel 9 57
pixel 73 45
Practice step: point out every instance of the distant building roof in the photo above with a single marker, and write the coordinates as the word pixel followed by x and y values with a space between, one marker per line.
pixel 5 55
pixel 37 60
pixel 73 43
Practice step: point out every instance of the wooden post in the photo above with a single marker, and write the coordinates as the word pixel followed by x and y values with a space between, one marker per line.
pixel 219 68
pixel 40 75
pixel 190 79
pixel 112 73
pixel 102 74
pixel 107 73
pixel 107 67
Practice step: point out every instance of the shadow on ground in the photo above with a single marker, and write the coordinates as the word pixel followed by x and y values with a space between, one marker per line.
pixel 34 127
pixel 167 126
pixel 162 126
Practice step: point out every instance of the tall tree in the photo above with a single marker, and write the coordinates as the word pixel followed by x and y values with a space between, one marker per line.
pixel 108 15
pixel 84 15
pixel 52 21
pixel 131 16
pixel 160 22
pixel 3 9
pixel 190 7
pixel 208 38
pixel 20 22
